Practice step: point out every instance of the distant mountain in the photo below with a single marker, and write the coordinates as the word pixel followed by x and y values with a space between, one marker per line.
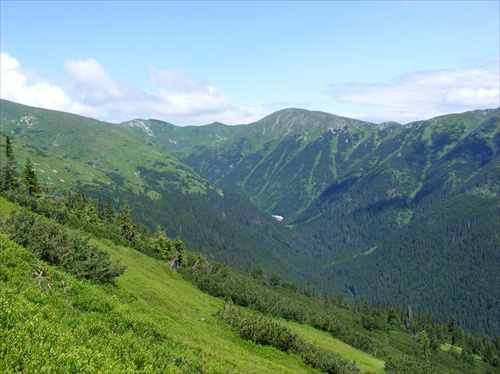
pixel 355 191
pixel 395 213
pixel 73 152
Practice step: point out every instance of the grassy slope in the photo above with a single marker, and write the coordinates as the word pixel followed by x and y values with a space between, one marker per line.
pixel 364 361
pixel 103 147
pixel 152 320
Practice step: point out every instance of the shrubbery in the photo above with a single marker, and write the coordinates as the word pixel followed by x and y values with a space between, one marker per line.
pixel 60 246
pixel 266 332
pixel 247 293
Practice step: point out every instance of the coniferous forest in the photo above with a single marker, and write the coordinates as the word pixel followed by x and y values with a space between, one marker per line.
pixel 118 272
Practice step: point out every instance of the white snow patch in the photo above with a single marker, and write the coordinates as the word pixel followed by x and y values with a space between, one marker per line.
pixel 277 218
pixel 172 141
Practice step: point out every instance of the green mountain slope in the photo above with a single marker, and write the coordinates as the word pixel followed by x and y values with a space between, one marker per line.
pixel 346 186
pixel 128 160
pixel 349 191
pixel 71 151
pixel 151 319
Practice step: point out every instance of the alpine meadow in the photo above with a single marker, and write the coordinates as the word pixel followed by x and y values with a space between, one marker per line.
pixel 304 242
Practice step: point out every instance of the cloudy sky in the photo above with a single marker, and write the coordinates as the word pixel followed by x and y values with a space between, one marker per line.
pixel 193 63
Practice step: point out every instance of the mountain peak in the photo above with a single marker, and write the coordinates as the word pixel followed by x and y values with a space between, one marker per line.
pixel 303 122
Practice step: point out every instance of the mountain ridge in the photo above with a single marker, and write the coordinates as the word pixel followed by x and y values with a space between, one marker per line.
pixel 343 187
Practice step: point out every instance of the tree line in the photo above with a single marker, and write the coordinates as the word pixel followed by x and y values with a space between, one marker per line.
pixel 51 240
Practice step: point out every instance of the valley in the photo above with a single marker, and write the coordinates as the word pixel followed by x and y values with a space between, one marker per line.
pixel 424 194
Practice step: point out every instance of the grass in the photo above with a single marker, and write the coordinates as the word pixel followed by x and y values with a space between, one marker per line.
pixel 163 295
pixel 152 300
pixel 364 361
pixel 149 302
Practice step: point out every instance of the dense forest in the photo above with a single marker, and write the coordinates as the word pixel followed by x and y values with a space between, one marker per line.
pixel 54 267
pixel 397 214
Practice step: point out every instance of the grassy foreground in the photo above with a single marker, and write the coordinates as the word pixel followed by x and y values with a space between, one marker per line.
pixel 151 320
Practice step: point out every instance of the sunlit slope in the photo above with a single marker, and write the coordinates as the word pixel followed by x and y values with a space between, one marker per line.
pixel 127 160
pixel 151 321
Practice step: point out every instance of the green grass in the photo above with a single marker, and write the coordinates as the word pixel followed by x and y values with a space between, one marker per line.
pixel 364 361
pixel 150 300
pixel 163 295
pixel 5 207
pixel 151 320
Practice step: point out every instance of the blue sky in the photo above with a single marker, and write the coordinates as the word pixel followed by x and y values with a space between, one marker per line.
pixel 193 63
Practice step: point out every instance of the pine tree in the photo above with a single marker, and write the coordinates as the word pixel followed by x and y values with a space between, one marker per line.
pixel 179 253
pixel 89 211
pixel 258 272
pixel 110 212
pixel 29 179
pixel 100 207
pixel 425 345
pixel 161 245
pixel 78 204
pixel 456 333
pixel 126 225
pixel 8 181
pixel 68 201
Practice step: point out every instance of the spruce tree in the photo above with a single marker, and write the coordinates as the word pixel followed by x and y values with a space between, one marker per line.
pixel 161 245
pixel 179 253
pixel 29 178
pixel 126 225
pixel 78 204
pixel 8 181
pixel 89 211
pixel 425 345
pixel 110 212
pixel 100 207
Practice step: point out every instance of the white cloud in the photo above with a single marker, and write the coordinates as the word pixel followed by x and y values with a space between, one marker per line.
pixel 16 86
pixel 177 97
pixel 423 95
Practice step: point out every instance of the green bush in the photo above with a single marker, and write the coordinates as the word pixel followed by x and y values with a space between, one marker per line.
pixel 267 332
pixel 60 246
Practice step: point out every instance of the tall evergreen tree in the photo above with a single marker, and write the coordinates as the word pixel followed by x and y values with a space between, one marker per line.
pixel 425 345
pixel 78 204
pixel 126 225
pixel 8 178
pixel 110 212
pixel 179 253
pixel 89 211
pixel 29 178
pixel 100 207
pixel 161 245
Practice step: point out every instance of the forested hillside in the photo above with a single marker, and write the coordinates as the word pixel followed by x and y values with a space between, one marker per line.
pixel 404 214
pixel 96 304
pixel 360 193
pixel 72 152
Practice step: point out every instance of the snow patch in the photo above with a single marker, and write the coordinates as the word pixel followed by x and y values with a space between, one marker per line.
pixel 277 218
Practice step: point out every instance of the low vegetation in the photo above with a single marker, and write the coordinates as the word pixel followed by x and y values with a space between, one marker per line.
pixel 87 289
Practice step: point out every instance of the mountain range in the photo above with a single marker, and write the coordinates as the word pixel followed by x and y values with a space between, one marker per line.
pixel 394 213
